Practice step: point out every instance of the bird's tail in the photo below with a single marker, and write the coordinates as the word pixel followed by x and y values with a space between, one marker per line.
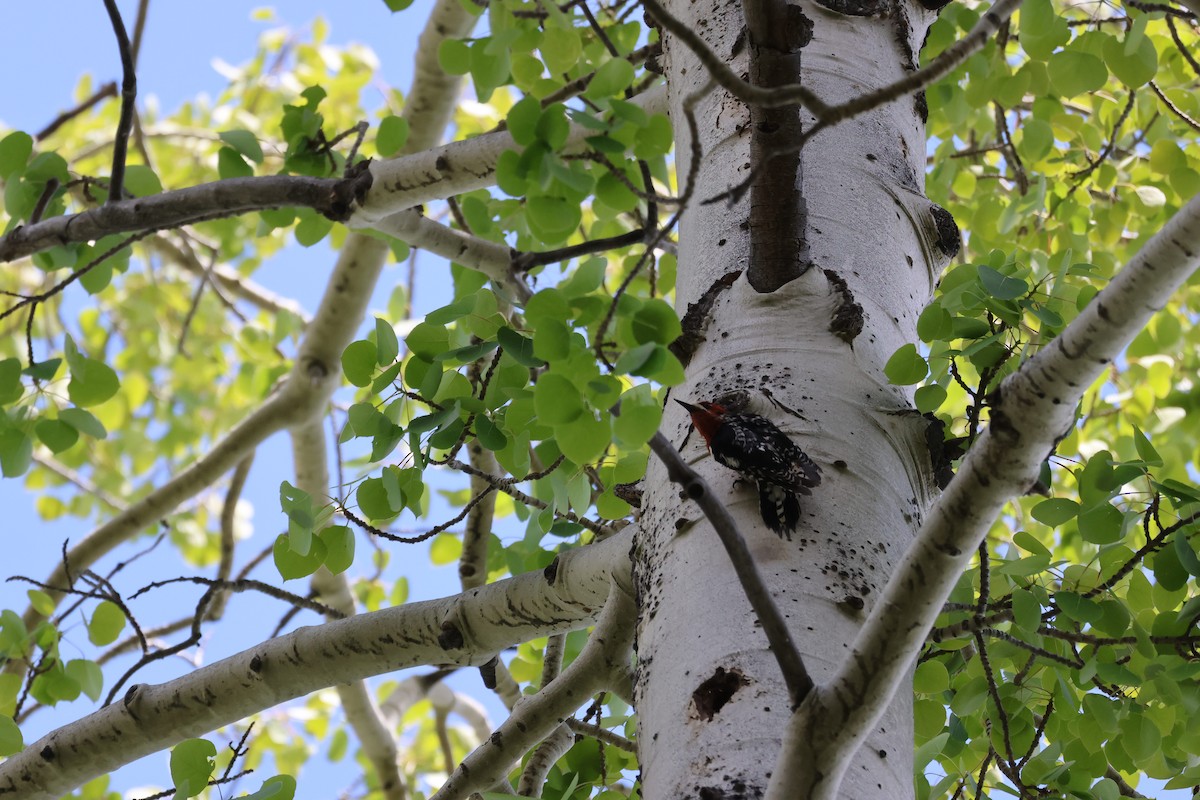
pixel 780 509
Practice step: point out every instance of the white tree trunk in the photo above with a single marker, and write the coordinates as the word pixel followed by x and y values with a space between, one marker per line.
pixel 869 223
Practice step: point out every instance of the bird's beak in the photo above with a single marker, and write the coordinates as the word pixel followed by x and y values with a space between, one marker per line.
pixel 691 408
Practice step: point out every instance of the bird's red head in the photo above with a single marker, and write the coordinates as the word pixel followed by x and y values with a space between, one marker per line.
pixel 707 417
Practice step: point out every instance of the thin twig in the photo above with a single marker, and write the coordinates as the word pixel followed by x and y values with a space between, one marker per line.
pixel 107 90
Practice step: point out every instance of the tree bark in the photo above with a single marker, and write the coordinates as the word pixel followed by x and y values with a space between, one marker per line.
pixel 713 708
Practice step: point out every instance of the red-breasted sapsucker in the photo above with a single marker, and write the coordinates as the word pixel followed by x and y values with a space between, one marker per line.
pixel 758 451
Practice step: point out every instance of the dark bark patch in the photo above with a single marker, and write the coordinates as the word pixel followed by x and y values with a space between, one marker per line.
pixel 921 106
pixel 695 319
pixel 799 27
pixel 857 8
pixel 450 638
pixel 847 322
pixel 712 695
pixel 942 452
pixel 551 571
pixel 487 673
pixel 948 239
pixel 350 191
pixel 629 492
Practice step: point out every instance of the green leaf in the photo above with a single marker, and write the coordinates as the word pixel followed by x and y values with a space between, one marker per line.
pixel 553 218
pixel 561 49
pixel 339 548
pixel 192 764
pixel 88 675
pixel 46 166
pixel 931 677
pixel 11 740
pixel 1101 524
pixel 488 434
pixel 230 164
pixel 55 434
pixel 11 389
pixel 428 340
pixel 632 360
pixel 929 398
pixel 92 382
pixel 523 119
pixel 243 142
pixel 1055 511
pixel 16 452
pixel 358 362
pixel 519 347
pixel 1000 286
pixel 312 228
pixel 1140 737
pixel 141 181
pixel 1145 450
pixel 1078 607
pixel 376 502
pixel 455 56
pixel 15 150
pixel 613 77
pixel 934 323
pixel 584 439
pixel 656 321
pixel 1027 611
pixel 106 623
pixel 41 602
pixel 1074 73
pixel 283 787
pixel 1134 66
pixel 906 366
pixel 293 565
pixel 445 549
pixel 1042 29
pixel 557 400
pixel 553 127
pixel 83 421
pixel 1186 553
pixel 386 343
pixel 1030 544
pixel 392 135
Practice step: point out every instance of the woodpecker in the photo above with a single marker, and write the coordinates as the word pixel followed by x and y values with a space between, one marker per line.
pixel 758 451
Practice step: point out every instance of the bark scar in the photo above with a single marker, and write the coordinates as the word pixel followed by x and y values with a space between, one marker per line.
pixel 847 322
pixel 695 320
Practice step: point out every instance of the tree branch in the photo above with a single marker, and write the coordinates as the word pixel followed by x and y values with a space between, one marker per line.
pixel 1033 406
pixel 224 198
pixel 116 183
pixel 151 718
pixel 408 181
pixel 535 717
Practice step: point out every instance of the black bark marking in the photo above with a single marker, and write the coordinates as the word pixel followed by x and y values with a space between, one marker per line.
pixel 487 672
pixel 856 8
pixel 942 452
pixel 450 638
pixel 847 322
pixel 712 695
pixel 948 238
pixel 350 191
pixel 695 319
